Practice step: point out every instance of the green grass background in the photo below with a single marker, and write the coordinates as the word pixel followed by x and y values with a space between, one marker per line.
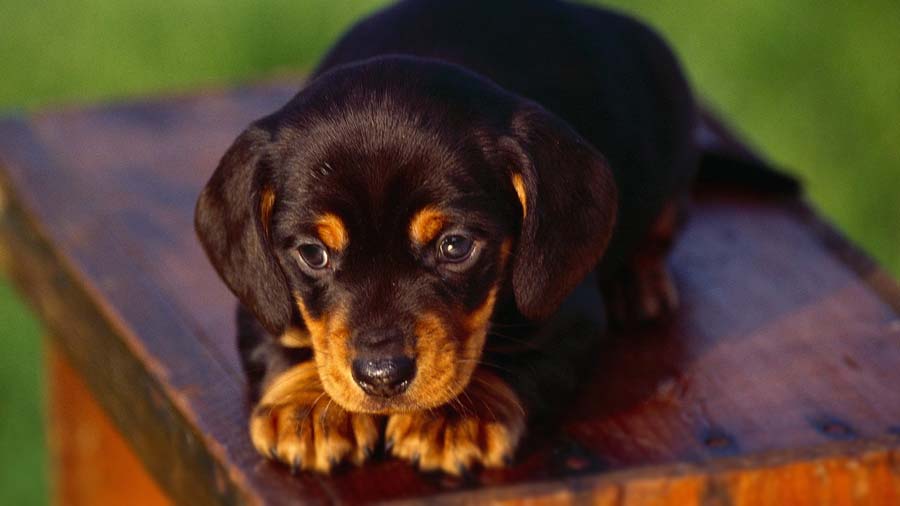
pixel 815 85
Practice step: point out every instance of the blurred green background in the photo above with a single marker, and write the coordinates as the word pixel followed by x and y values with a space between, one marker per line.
pixel 814 85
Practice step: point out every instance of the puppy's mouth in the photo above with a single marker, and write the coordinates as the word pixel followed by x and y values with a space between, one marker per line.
pixel 435 371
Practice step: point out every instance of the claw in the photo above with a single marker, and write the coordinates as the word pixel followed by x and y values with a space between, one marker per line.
pixel 295 465
pixel 463 471
pixel 333 462
pixel 273 453
pixel 368 452
pixel 415 460
pixel 389 445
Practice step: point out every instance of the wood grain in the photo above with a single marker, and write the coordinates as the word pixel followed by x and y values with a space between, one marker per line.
pixel 776 380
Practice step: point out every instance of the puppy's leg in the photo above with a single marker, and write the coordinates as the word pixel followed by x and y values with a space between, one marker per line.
pixel 294 421
pixel 482 426
pixel 643 291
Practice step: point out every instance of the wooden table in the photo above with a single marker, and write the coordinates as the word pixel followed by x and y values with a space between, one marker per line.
pixel 778 382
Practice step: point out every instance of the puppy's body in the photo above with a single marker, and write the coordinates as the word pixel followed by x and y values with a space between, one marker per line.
pixel 436 190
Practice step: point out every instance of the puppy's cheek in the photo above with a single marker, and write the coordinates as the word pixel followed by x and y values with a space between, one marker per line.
pixel 446 363
pixel 330 337
pixel 437 362
pixel 333 362
pixel 477 323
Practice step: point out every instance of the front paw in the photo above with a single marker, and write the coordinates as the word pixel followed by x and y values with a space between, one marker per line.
pixel 303 428
pixel 482 426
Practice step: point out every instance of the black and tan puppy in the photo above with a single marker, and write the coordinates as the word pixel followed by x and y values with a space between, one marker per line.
pixel 447 177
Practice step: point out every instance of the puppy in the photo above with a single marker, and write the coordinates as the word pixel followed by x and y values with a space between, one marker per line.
pixel 445 179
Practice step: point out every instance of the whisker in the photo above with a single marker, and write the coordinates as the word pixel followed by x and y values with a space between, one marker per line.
pixel 511 325
pixel 323 418
pixel 308 411
pixel 462 407
pixel 503 394
pixel 454 399
pixel 488 408
pixel 516 345
pixel 493 333
pixel 471 403
pixel 487 364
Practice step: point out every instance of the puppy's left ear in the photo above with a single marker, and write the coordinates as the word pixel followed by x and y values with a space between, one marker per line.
pixel 569 201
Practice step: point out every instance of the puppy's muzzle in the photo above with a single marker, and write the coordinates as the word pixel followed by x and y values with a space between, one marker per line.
pixel 380 367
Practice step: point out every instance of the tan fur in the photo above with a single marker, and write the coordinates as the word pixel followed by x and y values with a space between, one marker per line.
pixel 473 417
pixel 445 362
pixel 435 362
pixel 297 423
pixel 426 225
pixel 453 415
pixel 295 338
pixel 266 203
pixel 446 354
pixel 332 231
pixel 291 385
pixel 330 339
pixel 478 320
pixel 482 426
pixel 519 186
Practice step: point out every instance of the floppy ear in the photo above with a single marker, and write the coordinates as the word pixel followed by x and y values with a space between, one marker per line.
pixel 229 224
pixel 569 203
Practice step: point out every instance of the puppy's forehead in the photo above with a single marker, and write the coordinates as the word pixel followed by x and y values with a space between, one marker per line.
pixel 361 177
pixel 349 189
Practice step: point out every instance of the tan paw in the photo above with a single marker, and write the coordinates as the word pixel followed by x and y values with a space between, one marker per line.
pixel 483 426
pixel 305 429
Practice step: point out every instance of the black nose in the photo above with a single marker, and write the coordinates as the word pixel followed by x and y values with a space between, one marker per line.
pixel 383 377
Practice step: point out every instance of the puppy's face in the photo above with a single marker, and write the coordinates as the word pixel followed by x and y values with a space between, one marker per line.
pixel 394 247
pixel 383 214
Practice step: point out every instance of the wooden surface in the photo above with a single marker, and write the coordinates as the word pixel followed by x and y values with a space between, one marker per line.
pixel 778 379
pixel 91 464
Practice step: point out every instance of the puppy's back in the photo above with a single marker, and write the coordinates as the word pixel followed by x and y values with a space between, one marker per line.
pixel 610 77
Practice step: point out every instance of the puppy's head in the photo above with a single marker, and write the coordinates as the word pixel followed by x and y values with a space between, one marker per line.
pixel 384 212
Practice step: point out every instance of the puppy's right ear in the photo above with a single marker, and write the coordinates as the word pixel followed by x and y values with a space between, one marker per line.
pixel 569 202
pixel 229 222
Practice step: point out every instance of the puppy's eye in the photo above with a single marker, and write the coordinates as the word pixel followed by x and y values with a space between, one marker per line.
pixel 315 256
pixel 456 248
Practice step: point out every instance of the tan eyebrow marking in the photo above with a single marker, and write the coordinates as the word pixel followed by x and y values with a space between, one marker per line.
pixel 332 232
pixel 519 186
pixel 266 202
pixel 426 224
